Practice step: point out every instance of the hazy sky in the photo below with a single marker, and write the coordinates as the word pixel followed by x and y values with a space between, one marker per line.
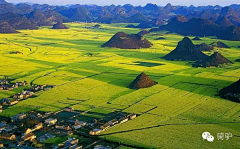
pixel 134 2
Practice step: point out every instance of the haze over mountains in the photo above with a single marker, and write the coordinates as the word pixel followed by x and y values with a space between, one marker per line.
pixel 222 22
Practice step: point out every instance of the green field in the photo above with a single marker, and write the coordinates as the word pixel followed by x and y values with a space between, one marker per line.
pixel 172 114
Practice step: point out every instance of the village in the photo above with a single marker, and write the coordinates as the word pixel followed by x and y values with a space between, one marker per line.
pixel 54 130
pixel 62 129
pixel 7 85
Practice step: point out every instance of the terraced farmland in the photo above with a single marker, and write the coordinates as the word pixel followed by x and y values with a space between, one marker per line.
pixel 179 109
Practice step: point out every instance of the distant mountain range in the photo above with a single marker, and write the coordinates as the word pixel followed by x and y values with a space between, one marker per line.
pixel 198 21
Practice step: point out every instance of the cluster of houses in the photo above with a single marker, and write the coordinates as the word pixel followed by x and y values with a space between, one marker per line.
pixel 47 125
pixel 97 26
pixel 23 95
pixel 38 88
pixel 47 122
pixel 70 143
pixel 29 133
pixel 16 98
pixel 112 123
pixel 5 84
pixel 28 93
